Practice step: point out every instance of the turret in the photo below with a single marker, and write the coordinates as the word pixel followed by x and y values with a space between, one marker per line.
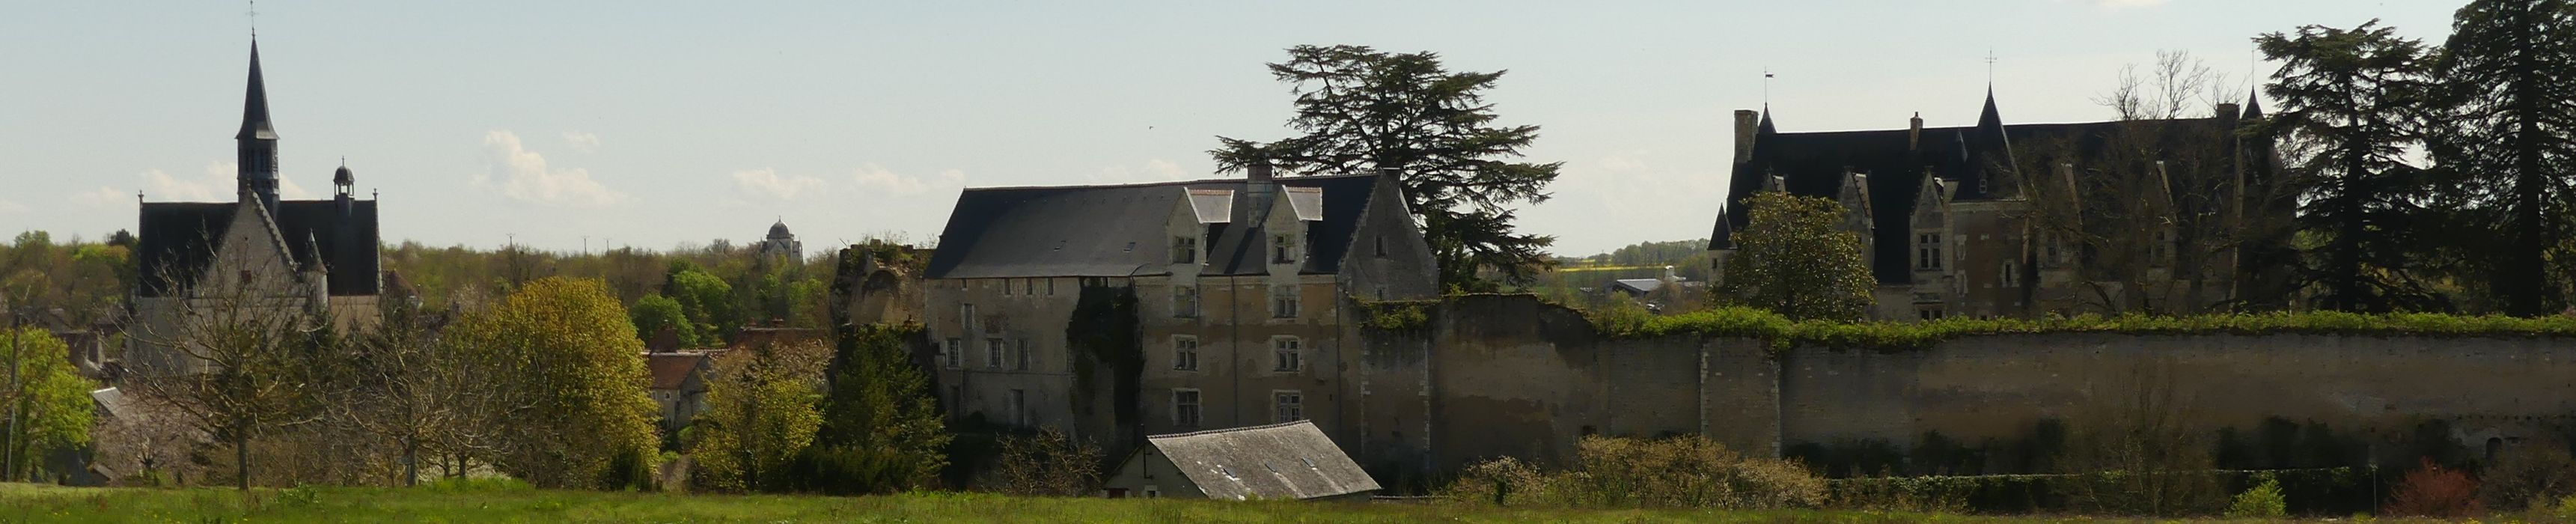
pixel 256 144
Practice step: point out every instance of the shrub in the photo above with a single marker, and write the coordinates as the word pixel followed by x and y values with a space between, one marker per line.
pixel 2261 501
pixel 2435 491
pixel 1502 481
pixel 1686 471
pixel 2527 478
pixel 1046 464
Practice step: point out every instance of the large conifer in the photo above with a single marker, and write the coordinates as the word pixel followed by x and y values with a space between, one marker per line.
pixel 2506 144
pixel 2351 102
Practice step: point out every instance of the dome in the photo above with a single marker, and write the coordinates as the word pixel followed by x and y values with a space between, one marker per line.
pixel 343 177
pixel 779 230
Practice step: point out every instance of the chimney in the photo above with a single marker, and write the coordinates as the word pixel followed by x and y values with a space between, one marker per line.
pixel 1914 132
pixel 2229 111
pixel 1252 206
pixel 1747 121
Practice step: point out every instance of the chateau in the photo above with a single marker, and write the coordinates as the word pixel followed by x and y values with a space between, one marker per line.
pixel 2023 220
pixel 258 255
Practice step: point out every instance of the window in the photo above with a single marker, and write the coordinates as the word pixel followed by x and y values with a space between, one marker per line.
pixel 1006 286
pixel 1185 250
pixel 1289 406
pixel 1185 408
pixel 1029 287
pixel 1927 312
pixel 1287 351
pixel 966 318
pixel 1152 492
pixel 1283 249
pixel 993 353
pixel 1928 253
pixel 956 352
pixel 1283 301
pixel 1381 246
pixel 2012 275
pixel 1022 358
pixel 1185 352
pixel 1019 407
pixel 1185 302
pixel 1050 287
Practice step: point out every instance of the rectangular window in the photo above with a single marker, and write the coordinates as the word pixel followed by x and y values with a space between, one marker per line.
pixel 1928 313
pixel 1185 408
pixel 1021 360
pixel 1928 253
pixel 1050 287
pixel 956 353
pixel 1283 249
pixel 1283 301
pixel 1185 353
pixel 1381 246
pixel 993 353
pixel 1288 406
pixel 1289 355
pixel 1185 250
pixel 1006 286
pixel 2012 276
pixel 1019 407
pixel 966 318
pixel 1185 302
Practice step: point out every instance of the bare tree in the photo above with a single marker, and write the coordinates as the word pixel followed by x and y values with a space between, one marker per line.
pixel 2131 449
pixel 229 354
pixel 405 387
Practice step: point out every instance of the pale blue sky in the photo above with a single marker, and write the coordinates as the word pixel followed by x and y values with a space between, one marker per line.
pixel 657 123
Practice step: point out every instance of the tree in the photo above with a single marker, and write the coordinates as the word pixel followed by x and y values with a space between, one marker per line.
pixel 1792 259
pixel 655 312
pixel 48 405
pixel 706 299
pixel 1369 111
pixel 560 354
pixel 2350 100
pixel 762 413
pixel 233 359
pixel 2505 144
pixel 402 386
pixel 2133 451
pixel 881 428
pixel 1046 464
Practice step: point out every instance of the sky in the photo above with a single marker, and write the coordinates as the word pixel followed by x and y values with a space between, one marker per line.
pixel 571 125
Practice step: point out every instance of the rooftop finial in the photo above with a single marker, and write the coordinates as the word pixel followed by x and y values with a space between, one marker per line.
pixel 254 19
pixel 1990 68
pixel 1766 88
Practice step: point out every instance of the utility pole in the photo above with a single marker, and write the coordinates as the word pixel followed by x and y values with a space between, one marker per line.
pixel 9 457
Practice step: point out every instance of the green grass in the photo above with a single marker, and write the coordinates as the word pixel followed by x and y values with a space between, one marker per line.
pixel 38 503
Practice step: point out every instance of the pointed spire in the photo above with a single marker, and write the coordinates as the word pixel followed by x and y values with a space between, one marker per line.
pixel 1990 117
pixel 1766 128
pixel 255 123
pixel 2253 103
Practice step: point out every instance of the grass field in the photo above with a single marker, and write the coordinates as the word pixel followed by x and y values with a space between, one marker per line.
pixel 38 503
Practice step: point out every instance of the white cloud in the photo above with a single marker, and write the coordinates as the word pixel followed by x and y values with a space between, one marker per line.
pixel 583 142
pixel 876 179
pixel 523 175
pixel 767 183
pixel 103 197
pixel 218 182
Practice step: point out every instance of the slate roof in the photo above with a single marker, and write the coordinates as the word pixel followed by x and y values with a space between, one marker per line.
pixel 1280 461
pixel 1118 230
pixel 176 239
pixel 1972 158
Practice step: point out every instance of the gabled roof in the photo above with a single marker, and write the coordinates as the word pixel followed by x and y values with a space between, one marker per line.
pixel 1116 231
pixel 672 370
pixel 177 240
pixel 1279 461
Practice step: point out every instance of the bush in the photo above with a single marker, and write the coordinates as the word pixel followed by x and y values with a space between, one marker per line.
pixel 2261 501
pixel 2528 478
pixel 1045 465
pixel 2435 491
pixel 1687 471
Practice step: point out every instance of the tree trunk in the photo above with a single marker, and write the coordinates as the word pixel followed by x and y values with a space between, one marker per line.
pixel 241 462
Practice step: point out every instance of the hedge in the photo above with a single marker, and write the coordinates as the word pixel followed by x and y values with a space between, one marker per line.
pixel 1894 336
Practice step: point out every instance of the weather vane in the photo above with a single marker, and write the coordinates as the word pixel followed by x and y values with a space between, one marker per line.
pixel 1766 88
pixel 254 19
pixel 1990 65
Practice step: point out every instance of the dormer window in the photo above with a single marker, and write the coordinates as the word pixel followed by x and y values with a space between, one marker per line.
pixel 1928 253
pixel 1283 249
pixel 1185 250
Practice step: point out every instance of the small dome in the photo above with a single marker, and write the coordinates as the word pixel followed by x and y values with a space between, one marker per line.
pixel 779 230
pixel 343 177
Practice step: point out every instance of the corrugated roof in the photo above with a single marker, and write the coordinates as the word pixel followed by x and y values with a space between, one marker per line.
pixel 1110 231
pixel 1280 461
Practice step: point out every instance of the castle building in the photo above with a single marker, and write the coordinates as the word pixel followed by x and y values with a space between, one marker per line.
pixel 2023 220
pixel 1240 295
pixel 258 255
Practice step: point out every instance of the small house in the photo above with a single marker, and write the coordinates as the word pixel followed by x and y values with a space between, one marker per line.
pixel 1291 460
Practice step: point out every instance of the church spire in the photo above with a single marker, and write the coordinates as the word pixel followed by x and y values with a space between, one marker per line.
pixel 256 145
pixel 2253 104
pixel 1766 128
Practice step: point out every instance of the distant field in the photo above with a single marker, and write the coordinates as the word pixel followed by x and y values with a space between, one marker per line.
pixel 35 503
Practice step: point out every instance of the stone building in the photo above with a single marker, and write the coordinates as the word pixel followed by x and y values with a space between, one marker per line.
pixel 2022 220
pixel 256 253
pixel 1238 293
pixel 781 247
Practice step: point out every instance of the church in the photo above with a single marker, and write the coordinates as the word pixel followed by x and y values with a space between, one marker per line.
pixel 258 253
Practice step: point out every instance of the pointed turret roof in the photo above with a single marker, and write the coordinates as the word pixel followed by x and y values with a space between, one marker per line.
pixel 1766 127
pixel 1989 118
pixel 2253 104
pixel 255 104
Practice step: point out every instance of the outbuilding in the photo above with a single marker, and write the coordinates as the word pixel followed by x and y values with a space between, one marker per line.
pixel 1292 460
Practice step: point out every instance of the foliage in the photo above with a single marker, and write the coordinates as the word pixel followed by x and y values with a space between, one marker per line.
pixel 48 404
pixel 707 301
pixel 1368 111
pixel 882 431
pixel 1394 315
pixel 2505 147
pixel 2349 101
pixel 2434 491
pixel 2524 478
pixel 562 359
pixel 1914 336
pixel 655 312
pixel 763 410
pixel 1793 259
pixel 87 280
pixel 1047 464
pixel 2261 501
pixel 1689 471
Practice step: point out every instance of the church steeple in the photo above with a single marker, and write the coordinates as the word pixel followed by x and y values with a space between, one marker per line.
pixel 256 144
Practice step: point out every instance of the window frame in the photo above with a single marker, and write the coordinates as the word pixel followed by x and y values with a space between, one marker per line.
pixel 1284 301
pixel 1287 354
pixel 993 356
pixel 1185 359
pixel 1283 248
pixel 956 357
pixel 1185 301
pixel 1185 250
pixel 1287 405
pixel 1196 411
pixel 1020 355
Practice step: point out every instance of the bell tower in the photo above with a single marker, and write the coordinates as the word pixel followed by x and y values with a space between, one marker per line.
pixel 256 144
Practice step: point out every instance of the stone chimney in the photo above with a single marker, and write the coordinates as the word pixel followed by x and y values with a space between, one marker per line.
pixel 1747 122
pixel 2229 111
pixel 1252 206
pixel 1914 132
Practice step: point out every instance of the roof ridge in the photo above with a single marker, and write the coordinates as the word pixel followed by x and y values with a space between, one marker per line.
pixel 1231 430
pixel 1173 182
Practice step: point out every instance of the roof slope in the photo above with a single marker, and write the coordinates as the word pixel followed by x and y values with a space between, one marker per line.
pixel 1116 231
pixel 1279 461
pixel 176 241
pixel 671 370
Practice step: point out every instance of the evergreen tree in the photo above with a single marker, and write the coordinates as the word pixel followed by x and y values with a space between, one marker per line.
pixel 1793 260
pixel 2350 110
pixel 1368 111
pixel 2506 143
pixel 881 430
